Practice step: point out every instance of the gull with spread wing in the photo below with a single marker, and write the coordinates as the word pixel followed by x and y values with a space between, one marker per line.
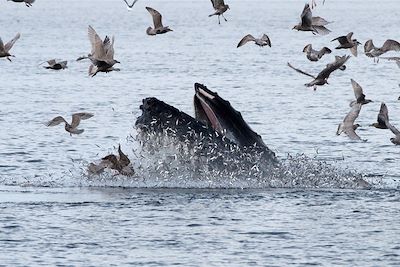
pixel 322 77
pixel 316 25
pixel 56 65
pixel 157 21
pixel 315 55
pixel 345 42
pixel 263 41
pixel 102 56
pixel 5 48
pixel 76 119
pixel 347 126
pixel 130 6
pixel 359 94
pixel 371 50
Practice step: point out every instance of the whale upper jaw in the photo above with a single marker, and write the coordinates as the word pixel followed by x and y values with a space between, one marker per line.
pixel 218 113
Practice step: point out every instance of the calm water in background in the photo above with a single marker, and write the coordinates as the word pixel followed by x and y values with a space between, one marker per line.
pixel 81 226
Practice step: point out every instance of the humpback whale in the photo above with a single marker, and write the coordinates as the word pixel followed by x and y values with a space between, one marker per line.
pixel 217 137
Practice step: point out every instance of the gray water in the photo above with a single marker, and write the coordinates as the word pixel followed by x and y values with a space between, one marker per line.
pixel 52 213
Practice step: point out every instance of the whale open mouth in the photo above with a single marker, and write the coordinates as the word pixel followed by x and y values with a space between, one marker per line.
pixel 204 108
pixel 217 113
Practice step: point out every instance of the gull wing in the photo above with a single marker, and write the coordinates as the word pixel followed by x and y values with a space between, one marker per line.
pixel 157 18
pixel 77 117
pixel 325 50
pixel 266 39
pixel 324 74
pixel 1 45
pixel 56 121
pixel 300 71
pixel 322 30
pixel 358 91
pixel 318 21
pixel 130 6
pixel 63 63
pixel 306 16
pixel 368 46
pixel 109 49
pixel 383 115
pixel 51 62
pixel 123 159
pixel 97 44
pixel 342 39
pixel 217 3
pixel 393 129
pixel 10 44
pixel 353 50
pixel 348 122
pixel 390 45
pixel 307 48
pixel 246 39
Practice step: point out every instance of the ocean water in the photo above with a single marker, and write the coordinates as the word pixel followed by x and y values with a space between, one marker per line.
pixel 54 214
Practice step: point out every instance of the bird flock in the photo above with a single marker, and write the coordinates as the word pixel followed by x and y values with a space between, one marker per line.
pixel 102 60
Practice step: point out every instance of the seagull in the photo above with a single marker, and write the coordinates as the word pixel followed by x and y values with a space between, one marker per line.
pixel 263 41
pixel 220 9
pixel 76 119
pixel 316 25
pixel 54 65
pixel 348 126
pixel 347 42
pixel 102 55
pixel 322 77
pixel 157 21
pixel 121 163
pixel 5 49
pixel 382 118
pixel 130 6
pixel 372 51
pixel 28 3
pixel 315 55
pixel 359 94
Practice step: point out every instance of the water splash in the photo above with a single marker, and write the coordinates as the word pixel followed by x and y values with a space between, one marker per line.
pixel 164 161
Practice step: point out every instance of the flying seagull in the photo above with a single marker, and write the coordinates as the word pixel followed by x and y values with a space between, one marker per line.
pixel 322 77
pixel 315 55
pixel 102 55
pixel 157 21
pixel 130 6
pixel 28 3
pixel 348 126
pixel 346 42
pixel 382 118
pixel 56 65
pixel 372 51
pixel 5 49
pixel 316 25
pixel 359 94
pixel 76 119
pixel 220 9
pixel 263 41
